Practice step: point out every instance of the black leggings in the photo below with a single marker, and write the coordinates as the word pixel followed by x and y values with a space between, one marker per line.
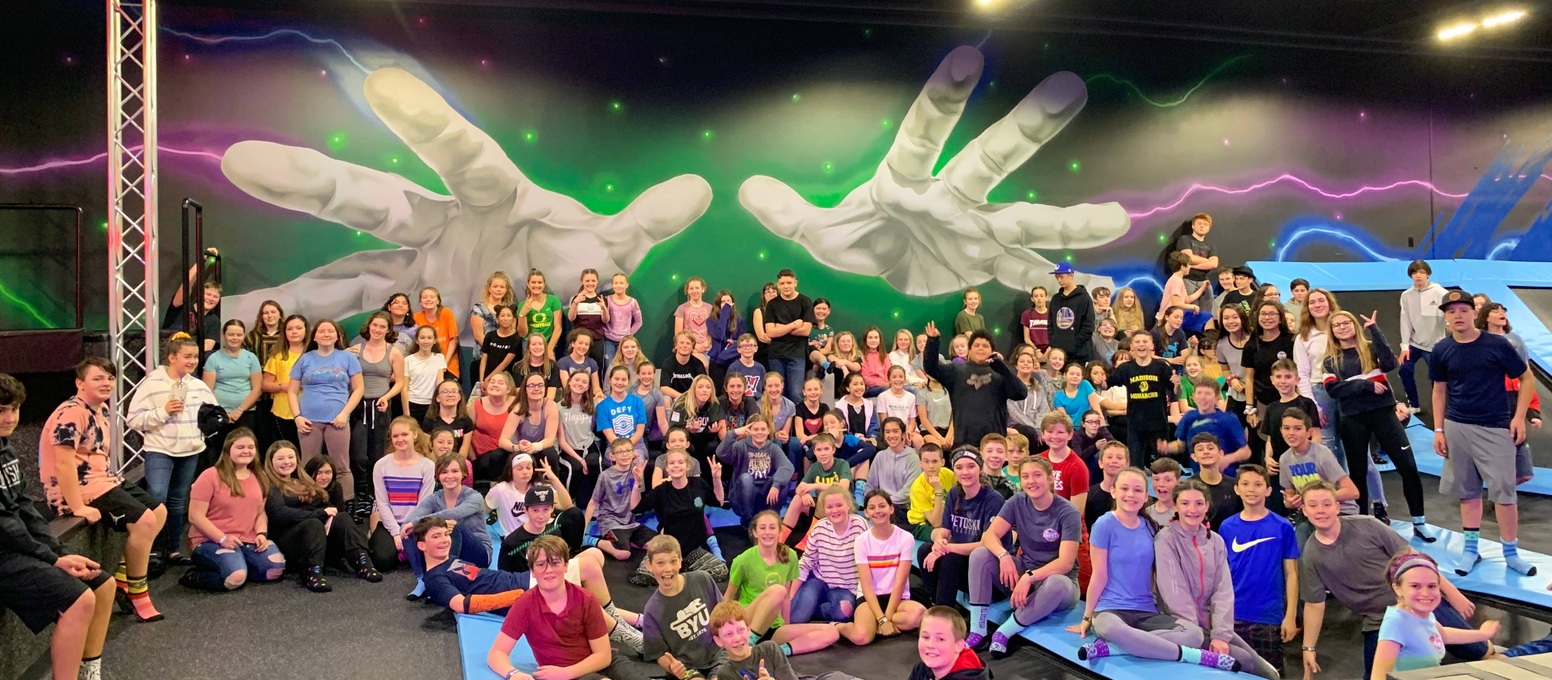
pixel 380 546
pixel 368 440
pixel 1356 430
pixel 307 544
pixel 951 575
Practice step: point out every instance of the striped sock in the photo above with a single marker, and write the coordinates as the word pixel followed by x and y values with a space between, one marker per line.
pixel 1511 552
pixel 1473 535
pixel 140 598
pixel 121 577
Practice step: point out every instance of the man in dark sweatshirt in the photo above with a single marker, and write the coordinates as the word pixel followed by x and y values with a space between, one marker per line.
pixel 38 580
pixel 1072 317
pixel 979 389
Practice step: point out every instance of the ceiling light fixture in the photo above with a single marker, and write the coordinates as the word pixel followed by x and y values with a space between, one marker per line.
pixel 1503 18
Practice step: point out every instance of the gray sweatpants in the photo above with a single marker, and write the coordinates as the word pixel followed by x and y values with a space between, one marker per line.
pixel 1152 635
pixel 1057 593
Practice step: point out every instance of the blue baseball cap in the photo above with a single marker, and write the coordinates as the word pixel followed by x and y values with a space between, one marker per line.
pixel 1064 268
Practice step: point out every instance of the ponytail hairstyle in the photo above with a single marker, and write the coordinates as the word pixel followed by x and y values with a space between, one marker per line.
pixel 176 344
pixel 783 552
pixel 419 442
pixel 771 407
pixel 1334 350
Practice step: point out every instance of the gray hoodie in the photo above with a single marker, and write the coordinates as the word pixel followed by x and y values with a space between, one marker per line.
pixel 1192 577
pixel 1422 324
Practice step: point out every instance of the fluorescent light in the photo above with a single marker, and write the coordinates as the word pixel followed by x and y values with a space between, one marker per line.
pixel 1502 18
pixel 1456 31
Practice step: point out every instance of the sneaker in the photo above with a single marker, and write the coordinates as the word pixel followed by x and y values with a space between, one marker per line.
pixel 1380 513
pixel 156 565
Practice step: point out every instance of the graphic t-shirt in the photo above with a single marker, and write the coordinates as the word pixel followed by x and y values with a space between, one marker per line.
pixel 678 375
pixel 457 577
pixel 1421 644
pixel 884 558
pixel 325 383
pixel 621 416
pixel 1316 463
pixel 1041 532
pixel 590 316
pixel 676 624
pixel 542 318
pixel 1259 356
pixel 839 470
pixel 613 496
pixel 1256 553
pixel 754 376
pixel 890 405
pixel 1198 247
pixel 967 518
pixel 497 347
pixel 1038 323
pixel 1130 556
pixel 811 420
pixel 1148 393
pixel 84 430
pixel 752 575
pixel 1069 477
pixel 767 655
pixel 695 317
pixel 570 365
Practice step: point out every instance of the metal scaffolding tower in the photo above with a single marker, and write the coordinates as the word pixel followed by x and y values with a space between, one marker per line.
pixel 132 231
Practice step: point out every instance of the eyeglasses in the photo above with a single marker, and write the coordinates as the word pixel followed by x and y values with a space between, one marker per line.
pixel 1341 324
pixel 545 565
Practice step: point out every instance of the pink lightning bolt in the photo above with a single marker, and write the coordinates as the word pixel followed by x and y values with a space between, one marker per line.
pixel 57 163
pixel 1297 181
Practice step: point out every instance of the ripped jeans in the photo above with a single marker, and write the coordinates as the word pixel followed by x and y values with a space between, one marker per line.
pixel 217 569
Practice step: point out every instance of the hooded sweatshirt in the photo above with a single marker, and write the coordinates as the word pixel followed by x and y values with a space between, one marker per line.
pixel 177 436
pixel 1422 324
pixel 761 462
pixel 1193 578
pixel 967 667
pixel 978 393
pixel 23 530
pixel 1072 323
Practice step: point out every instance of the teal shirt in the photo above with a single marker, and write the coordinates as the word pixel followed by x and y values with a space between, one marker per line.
pixel 233 376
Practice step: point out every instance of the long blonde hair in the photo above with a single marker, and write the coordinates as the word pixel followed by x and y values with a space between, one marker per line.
pixel 505 299
pixel 856 347
pixel 619 357
pixel 686 401
pixel 1128 320
pixel 419 442
pixel 1334 348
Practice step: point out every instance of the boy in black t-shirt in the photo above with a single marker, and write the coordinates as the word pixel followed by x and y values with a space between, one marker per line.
pixel 1208 454
pixel 1286 380
pixel 1149 389
pixel 680 506
pixel 1244 289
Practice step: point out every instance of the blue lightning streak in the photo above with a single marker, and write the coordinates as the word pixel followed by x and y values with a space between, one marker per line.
pixel 1507 244
pixel 1286 248
pixel 218 39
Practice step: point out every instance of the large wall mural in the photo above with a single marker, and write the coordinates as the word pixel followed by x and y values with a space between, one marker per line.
pixel 342 160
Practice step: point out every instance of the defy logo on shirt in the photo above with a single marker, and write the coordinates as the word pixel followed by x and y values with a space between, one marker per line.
pixel 691 620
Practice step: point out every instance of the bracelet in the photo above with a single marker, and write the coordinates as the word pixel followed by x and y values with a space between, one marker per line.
pixel 1307 648
pixel 1439 430
pixel 511 673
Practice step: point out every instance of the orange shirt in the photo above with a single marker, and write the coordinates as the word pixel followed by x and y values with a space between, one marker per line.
pixel 83 430
pixel 447 334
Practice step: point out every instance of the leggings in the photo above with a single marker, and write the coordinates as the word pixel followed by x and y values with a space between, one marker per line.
pixel 1381 424
pixel 309 544
pixel 1153 635
pixel 1056 593
pixel 368 437
pixel 951 575
pixel 337 440
pixel 380 546
pixel 1330 420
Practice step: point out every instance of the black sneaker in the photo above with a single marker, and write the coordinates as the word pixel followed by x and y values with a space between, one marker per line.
pixel 156 565
pixel 1380 513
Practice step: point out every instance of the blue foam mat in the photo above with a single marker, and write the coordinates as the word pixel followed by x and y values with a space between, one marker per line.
pixel 1491 577
pixel 1430 463
pixel 720 518
pixel 476 634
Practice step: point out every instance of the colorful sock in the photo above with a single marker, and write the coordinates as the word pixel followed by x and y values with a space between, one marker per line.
pixel 786 532
pixel 711 542
pixel 1469 557
pixel 91 669
pixel 1511 552
pixel 627 636
pixel 977 622
pixel 1097 649
pixel 121 577
pixel 754 639
pixel 786 649
pixel 1190 655
pixel 1005 632
pixel 999 647
pixel 140 598
pixel 1473 536
pixel 1222 662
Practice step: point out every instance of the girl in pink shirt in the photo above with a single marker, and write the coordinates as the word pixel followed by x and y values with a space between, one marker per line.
pixel 227 524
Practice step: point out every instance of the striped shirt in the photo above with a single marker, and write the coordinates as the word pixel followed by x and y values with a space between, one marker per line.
pixel 831 555
pixel 400 487
pixel 884 557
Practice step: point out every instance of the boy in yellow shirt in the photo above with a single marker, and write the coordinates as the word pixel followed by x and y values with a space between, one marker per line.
pixel 928 492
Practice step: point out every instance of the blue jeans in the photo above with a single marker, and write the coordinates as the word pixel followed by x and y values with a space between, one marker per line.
pixel 1447 618
pixel 791 371
pixel 167 479
pixel 749 496
pixel 466 547
pixel 795 452
pixel 215 566
pixel 814 597
pixel 1409 373
pixel 610 348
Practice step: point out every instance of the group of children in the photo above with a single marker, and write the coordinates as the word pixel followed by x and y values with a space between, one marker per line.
pixel 1026 478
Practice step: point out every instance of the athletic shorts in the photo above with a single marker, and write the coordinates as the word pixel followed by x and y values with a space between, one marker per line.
pixel 1478 455
pixel 39 592
pixel 123 505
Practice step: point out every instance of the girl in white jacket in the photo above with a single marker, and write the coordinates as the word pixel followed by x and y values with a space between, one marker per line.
pixel 165 409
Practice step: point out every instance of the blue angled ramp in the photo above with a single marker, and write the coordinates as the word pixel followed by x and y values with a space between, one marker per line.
pixel 720 518
pixel 1430 463
pixel 1491 577
pixel 476 634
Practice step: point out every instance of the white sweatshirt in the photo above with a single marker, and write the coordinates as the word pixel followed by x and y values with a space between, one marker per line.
pixel 1422 324
pixel 176 436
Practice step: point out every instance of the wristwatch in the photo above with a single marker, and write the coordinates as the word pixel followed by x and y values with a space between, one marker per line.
pixel 882 620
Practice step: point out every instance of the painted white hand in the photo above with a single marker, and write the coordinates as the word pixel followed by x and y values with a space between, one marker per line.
pixel 929 235
pixel 494 219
